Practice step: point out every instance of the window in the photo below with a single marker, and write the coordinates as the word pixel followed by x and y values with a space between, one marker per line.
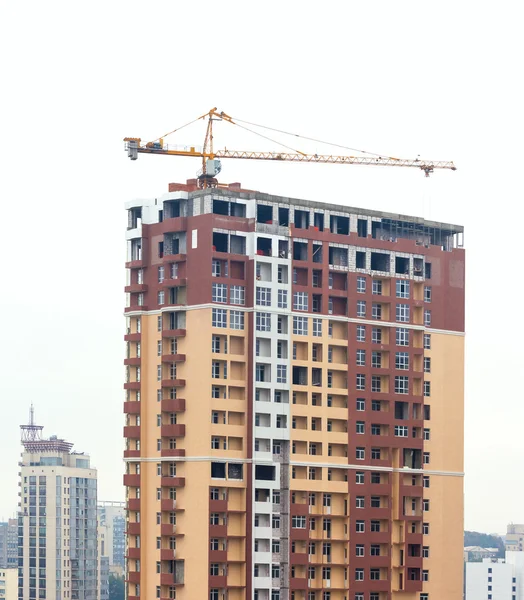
pixel 376 311
pixel 263 321
pixel 215 369
pixel 403 313
pixel 375 405
pixel 300 301
pixel 374 574
pixel 376 383
pixel 361 381
pixel 174 270
pixel 402 336
pixel 401 384
pixel 281 374
pixel 427 388
pixel 427 318
pixel 424 596
pixel 361 308
pixel 359 526
pixel 376 335
pixel 317 327
pixel 427 364
pixel 298 522
pixel 376 287
pixel 425 505
pixel 213 594
pixel 361 333
pixel 282 298
pixel 402 361
pixel 427 341
pixel 237 294
pixel 361 404
pixel 360 453
pixel 376 453
pixel 361 427
pixel 236 319
pixel 374 550
pixel 426 458
pixel 216 270
pixel 361 285
pixel 359 574
pixel 361 358
pixel 215 344
pixel 375 526
pixel 425 575
pixel 161 297
pixel 275 571
pixel 359 550
pixel 427 434
pixel 219 293
pixel 376 360
pixel 160 274
pixel 219 317
pixel 402 288
pixel 425 481
pixel 263 296
pixel 425 528
pixel 427 293
pixel 401 431
pixel 300 325
pixel 425 552
pixel 360 502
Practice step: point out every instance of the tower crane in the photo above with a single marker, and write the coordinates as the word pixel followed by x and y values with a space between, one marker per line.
pixel 211 165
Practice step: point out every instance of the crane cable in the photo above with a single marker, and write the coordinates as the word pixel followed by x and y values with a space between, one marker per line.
pixel 177 129
pixel 311 139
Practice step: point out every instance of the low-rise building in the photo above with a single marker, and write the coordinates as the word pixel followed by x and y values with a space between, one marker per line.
pixel 496 578
pixel 478 554
pixel 515 537
pixel 8 584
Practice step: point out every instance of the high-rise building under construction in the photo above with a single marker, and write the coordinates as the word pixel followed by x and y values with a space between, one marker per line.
pixel 294 400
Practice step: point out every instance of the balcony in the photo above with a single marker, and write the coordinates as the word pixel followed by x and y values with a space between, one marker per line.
pixel 133 337
pixel 135 288
pixel 173 405
pixel 298 583
pixel 167 505
pixel 131 408
pixel 218 506
pixel 173 481
pixel 133 504
pixel 132 385
pixel 218 581
pixel 131 453
pixel 178 430
pixel 133 553
pixel 217 531
pixel 133 576
pixel 132 480
pixel 134 264
pixel 172 333
pixel 299 558
pixel 132 362
pixel 167 554
pixel 132 431
pixel 166 452
pixel 218 556
pixel 171 383
pixel 167 579
pixel 167 529
pixel 299 534
pixel 133 529
pixel 173 358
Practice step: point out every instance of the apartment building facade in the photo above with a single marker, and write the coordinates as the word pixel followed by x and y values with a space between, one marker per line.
pixel 9 544
pixel 57 526
pixel 294 400
pixel 111 518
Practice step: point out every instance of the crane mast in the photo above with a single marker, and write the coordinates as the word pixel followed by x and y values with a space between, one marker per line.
pixel 211 164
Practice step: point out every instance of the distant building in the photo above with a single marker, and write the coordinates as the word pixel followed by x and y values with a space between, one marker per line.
pixel 515 537
pixel 8 544
pixel 496 578
pixel 8 584
pixel 112 516
pixel 477 553
pixel 57 540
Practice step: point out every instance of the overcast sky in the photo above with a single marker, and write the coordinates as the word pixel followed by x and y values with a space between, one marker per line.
pixel 440 80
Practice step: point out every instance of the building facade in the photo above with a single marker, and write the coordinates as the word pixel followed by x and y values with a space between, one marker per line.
pixel 8 584
pixel 9 544
pixel 514 539
pixel 57 527
pixel 496 578
pixel 112 517
pixel 294 400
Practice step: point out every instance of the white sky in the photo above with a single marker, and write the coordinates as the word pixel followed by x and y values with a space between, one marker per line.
pixel 441 80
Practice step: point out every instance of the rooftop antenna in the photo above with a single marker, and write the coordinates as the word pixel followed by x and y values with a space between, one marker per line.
pixel 31 432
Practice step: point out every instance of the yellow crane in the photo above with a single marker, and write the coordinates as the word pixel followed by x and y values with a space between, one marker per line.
pixel 211 164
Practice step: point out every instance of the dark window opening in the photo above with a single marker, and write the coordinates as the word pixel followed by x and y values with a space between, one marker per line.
pixel 317 253
pixel 338 257
pixel 299 251
pixel 134 216
pixel 263 246
pixel 264 214
pixel 172 209
pixel 265 472
pixel 317 303
pixel 218 470
pixel 317 279
pixel 362 228
pixel 160 249
pixel 318 221
pixel 283 216
pixel 283 248
pixel 339 225
pixel 418 266
pixel 299 375
pixel 220 207
pixel 402 265
pixel 237 244
pixel 234 471
pixel 380 262
pixel 361 260
pixel 401 410
pixel 427 412
pixel 219 242
pixel 301 219
pixel 412 458
pixel 427 270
